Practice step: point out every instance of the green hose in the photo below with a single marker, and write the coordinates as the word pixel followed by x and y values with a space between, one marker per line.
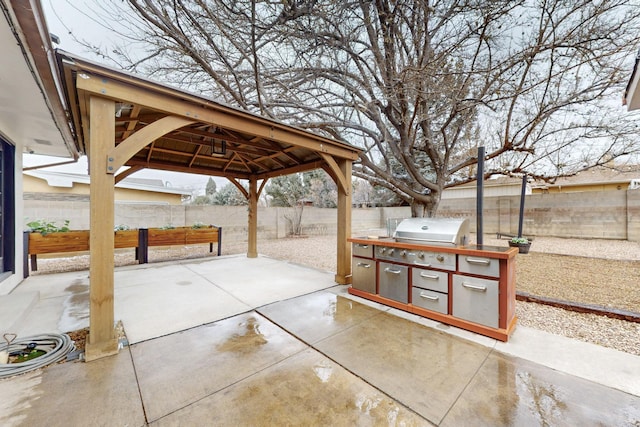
pixel 56 347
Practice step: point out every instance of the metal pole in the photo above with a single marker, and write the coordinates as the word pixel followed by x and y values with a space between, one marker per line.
pixel 522 194
pixel 479 195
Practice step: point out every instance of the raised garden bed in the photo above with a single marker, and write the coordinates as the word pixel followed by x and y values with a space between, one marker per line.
pixel 78 241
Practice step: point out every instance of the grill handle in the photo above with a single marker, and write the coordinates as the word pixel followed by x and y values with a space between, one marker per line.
pixel 432 298
pixel 430 276
pixel 424 241
pixel 389 270
pixel 362 264
pixel 422 264
pixel 478 261
pixel 474 287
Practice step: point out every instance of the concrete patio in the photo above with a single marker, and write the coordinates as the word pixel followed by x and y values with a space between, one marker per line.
pixel 236 341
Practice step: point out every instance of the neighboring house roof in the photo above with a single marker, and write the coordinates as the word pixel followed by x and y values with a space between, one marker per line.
pixel 596 176
pixel 491 182
pixel 32 115
pixel 67 180
pixel 492 187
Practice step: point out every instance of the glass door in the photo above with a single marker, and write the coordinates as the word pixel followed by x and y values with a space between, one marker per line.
pixel 7 207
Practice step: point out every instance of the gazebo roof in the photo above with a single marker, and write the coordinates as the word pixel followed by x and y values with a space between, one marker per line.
pixel 216 139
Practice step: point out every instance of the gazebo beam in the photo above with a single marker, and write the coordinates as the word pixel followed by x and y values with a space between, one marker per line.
pixel 252 250
pixel 102 339
pixel 343 262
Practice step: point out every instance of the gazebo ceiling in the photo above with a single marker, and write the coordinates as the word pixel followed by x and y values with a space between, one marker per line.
pixel 212 139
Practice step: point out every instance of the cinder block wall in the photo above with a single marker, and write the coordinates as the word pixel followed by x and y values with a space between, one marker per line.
pixel 633 215
pixel 600 215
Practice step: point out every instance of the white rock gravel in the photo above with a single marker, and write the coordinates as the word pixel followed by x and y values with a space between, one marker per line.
pixel 320 252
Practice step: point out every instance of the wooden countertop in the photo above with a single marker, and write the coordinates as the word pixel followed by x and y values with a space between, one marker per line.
pixel 498 252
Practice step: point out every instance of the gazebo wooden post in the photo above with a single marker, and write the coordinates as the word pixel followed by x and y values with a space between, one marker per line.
pixel 343 264
pixel 252 250
pixel 102 340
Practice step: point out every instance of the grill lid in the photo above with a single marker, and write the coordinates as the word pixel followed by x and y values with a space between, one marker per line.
pixel 433 231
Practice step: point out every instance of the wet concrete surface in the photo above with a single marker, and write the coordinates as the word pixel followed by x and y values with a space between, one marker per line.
pixel 101 393
pixel 322 357
pixel 319 359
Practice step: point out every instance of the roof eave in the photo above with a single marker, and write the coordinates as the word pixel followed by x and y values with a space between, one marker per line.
pixel 632 92
pixel 38 47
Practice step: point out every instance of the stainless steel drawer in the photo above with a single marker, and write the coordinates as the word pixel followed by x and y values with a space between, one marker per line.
pixel 430 300
pixel 393 281
pixel 364 274
pixel 476 300
pixel 362 250
pixel 430 279
pixel 481 266
pixel 442 260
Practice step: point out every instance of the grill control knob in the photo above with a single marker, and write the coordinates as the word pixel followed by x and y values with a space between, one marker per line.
pixel 420 254
pixel 391 251
pixel 440 258
pixel 383 250
pixel 403 253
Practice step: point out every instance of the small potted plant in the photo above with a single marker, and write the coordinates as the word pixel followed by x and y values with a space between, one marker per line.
pixel 522 243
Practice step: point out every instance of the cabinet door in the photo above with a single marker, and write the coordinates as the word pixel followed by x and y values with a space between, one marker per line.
pixel 394 281
pixel 476 300
pixel 482 266
pixel 364 274
pixel 430 279
pixel 430 300
pixel 362 250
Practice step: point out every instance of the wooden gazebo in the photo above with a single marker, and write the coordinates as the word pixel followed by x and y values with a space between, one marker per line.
pixel 123 120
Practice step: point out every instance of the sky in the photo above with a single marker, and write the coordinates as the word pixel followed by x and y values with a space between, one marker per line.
pixel 63 16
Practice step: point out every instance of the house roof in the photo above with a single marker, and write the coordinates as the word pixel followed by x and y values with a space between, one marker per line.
pixel 492 182
pixel 67 180
pixel 595 176
pixel 32 115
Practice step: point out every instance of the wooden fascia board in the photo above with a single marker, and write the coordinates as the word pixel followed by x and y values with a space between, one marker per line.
pixel 210 113
pixel 34 29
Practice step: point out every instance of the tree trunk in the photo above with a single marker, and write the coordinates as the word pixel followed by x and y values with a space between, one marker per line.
pixel 425 208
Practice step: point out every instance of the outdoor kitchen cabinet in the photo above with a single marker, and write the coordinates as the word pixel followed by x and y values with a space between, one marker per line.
pixel 363 268
pixel 470 287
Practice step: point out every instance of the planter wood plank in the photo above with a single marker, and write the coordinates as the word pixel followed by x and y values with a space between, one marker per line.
pixel 126 239
pixel 68 241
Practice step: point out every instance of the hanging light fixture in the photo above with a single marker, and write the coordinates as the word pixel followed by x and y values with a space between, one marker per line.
pixel 218 150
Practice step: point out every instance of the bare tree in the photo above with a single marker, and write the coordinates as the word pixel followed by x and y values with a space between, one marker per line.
pixel 419 84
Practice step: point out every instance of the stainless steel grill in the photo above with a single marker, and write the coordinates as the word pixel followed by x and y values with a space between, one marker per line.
pixel 433 231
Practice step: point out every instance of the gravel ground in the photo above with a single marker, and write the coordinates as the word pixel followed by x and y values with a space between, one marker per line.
pixel 602 272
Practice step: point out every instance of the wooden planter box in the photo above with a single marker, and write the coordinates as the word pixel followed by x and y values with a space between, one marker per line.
pixel 67 241
pixel 125 239
pixel 75 241
pixel 78 241
pixel 182 236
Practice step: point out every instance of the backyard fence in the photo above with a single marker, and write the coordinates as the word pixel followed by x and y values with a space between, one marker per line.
pixel 588 215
